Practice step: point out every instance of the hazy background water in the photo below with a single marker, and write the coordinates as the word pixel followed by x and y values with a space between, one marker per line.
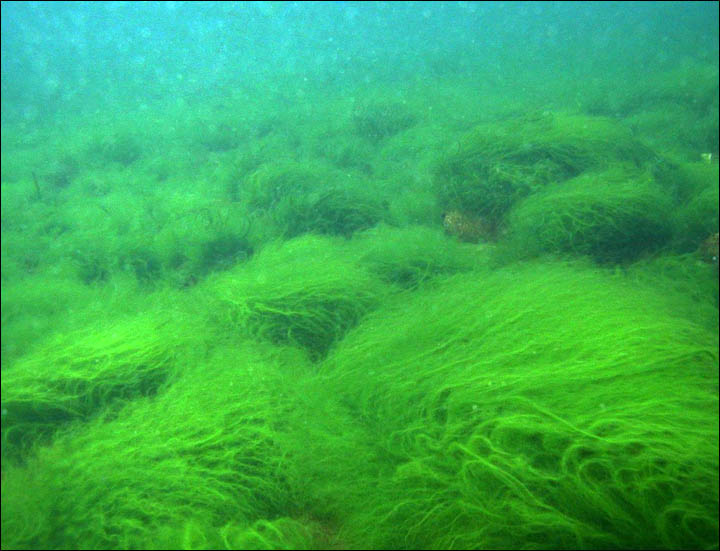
pixel 61 58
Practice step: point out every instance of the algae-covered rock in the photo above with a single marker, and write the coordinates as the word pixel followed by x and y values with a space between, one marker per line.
pixel 497 164
pixel 612 216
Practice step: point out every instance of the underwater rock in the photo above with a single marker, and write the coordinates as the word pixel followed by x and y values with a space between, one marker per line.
pixel 467 227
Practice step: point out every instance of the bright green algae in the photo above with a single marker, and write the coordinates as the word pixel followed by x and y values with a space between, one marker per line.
pixel 544 405
pixel 270 342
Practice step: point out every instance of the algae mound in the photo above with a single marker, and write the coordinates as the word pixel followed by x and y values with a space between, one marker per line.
pixel 541 405
pixel 301 292
pixel 497 164
pixel 612 216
